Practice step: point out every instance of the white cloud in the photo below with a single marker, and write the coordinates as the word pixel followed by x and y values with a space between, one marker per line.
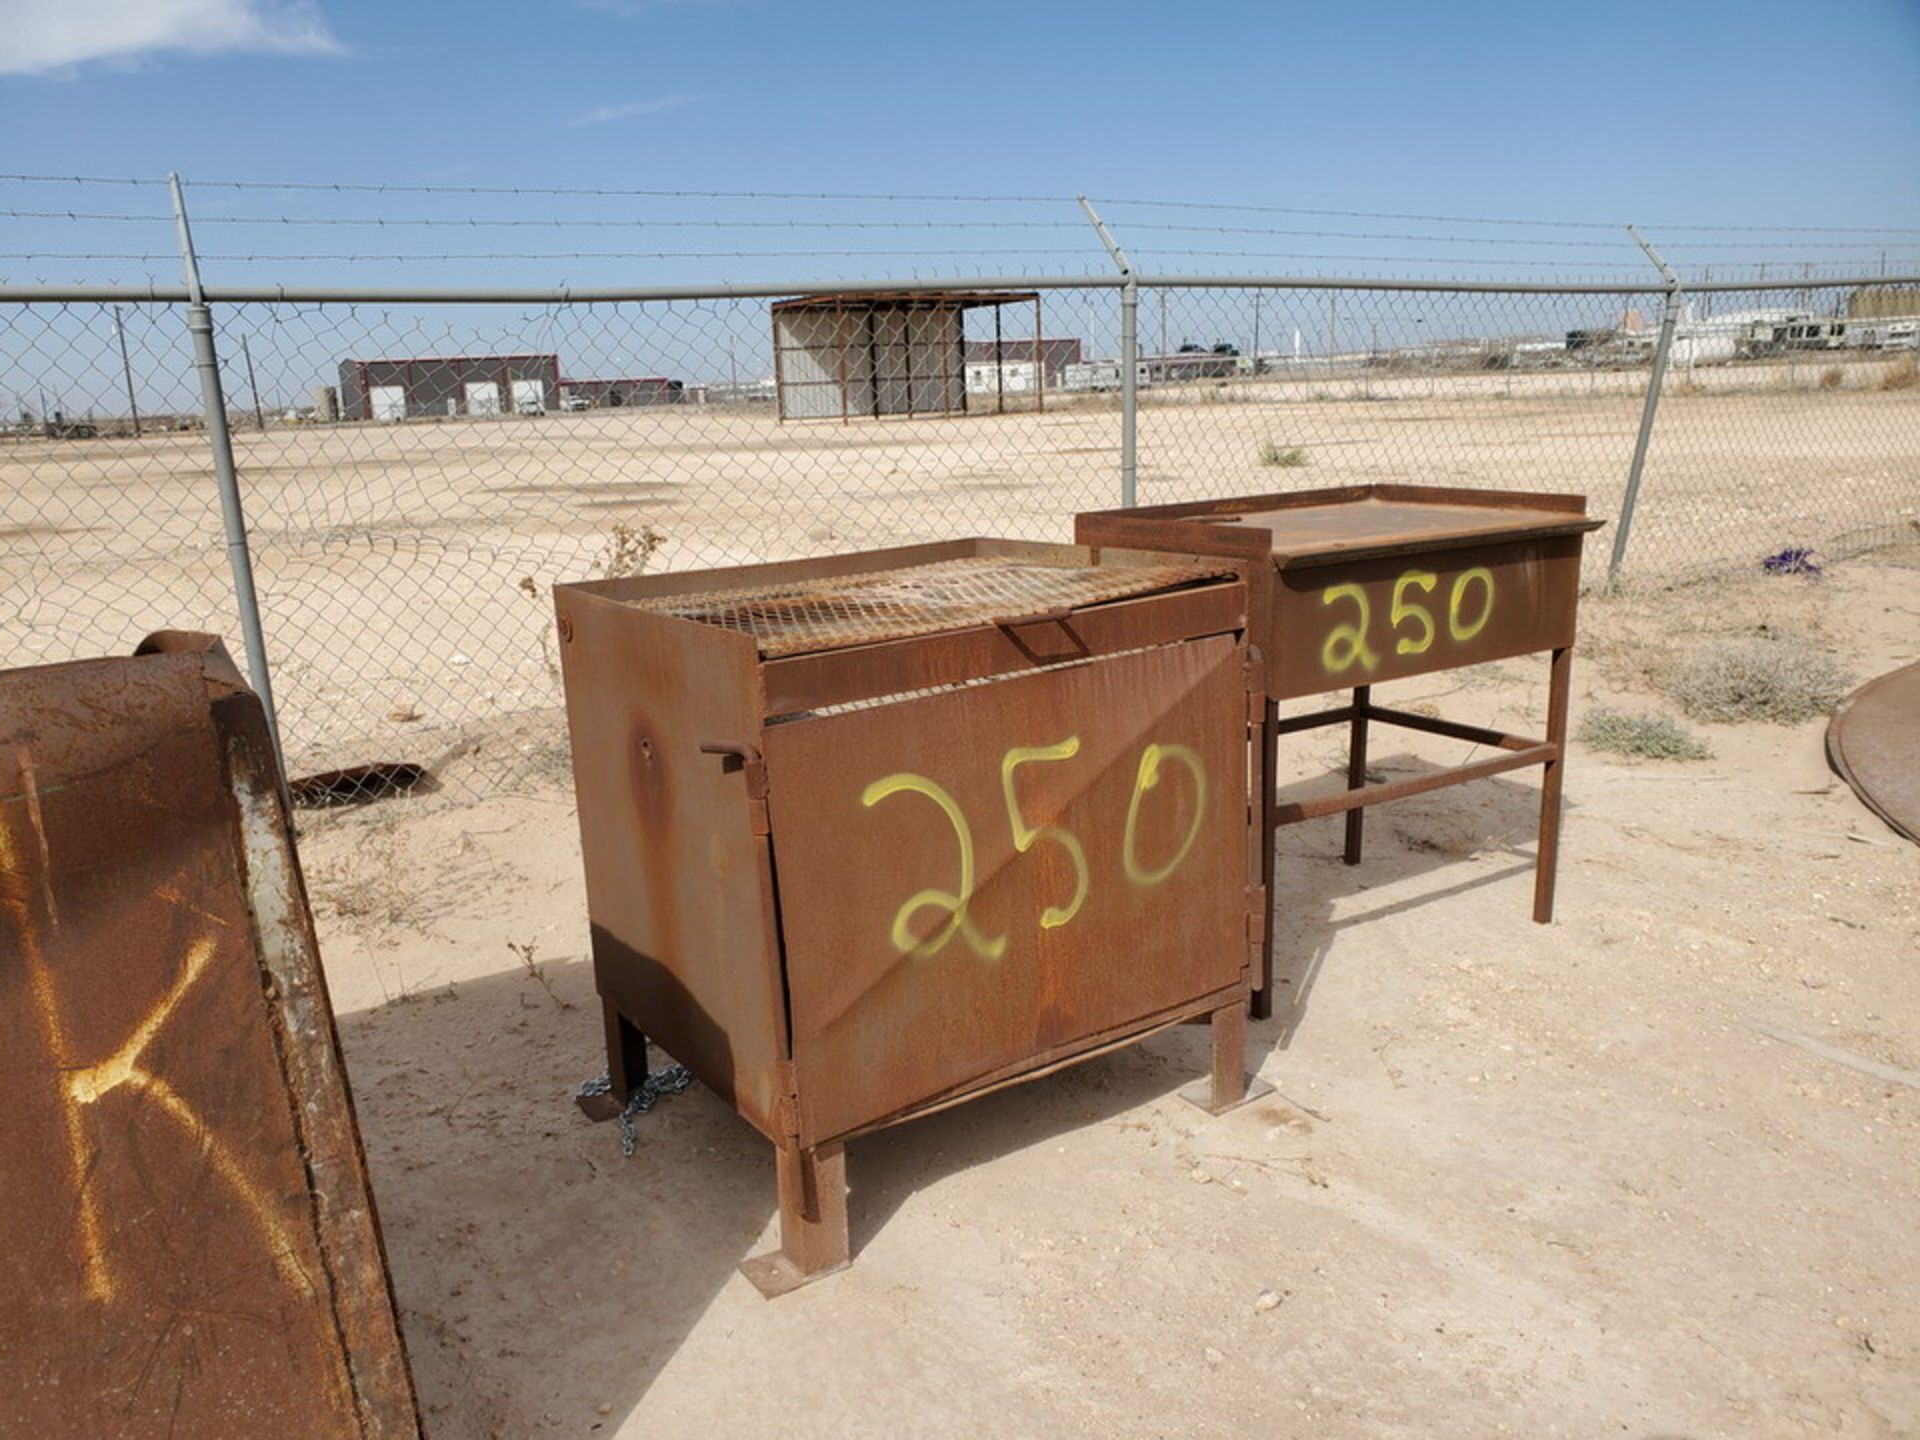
pixel 44 35
pixel 602 114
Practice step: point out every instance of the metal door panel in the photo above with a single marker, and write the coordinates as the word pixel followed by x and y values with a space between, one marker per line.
pixel 936 930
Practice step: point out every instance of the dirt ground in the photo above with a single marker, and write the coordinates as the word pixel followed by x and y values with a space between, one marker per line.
pixel 391 558
pixel 1623 1174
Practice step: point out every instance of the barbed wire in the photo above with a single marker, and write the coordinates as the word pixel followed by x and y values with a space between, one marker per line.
pixel 80 180
pixel 495 222
pixel 383 188
pixel 1509 220
pixel 358 257
pixel 499 222
pixel 908 197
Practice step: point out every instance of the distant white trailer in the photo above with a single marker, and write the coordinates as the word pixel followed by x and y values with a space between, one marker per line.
pixel 985 377
pixel 1101 375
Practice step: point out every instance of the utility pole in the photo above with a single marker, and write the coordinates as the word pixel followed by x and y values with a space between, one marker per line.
pixel 253 386
pixel 126 368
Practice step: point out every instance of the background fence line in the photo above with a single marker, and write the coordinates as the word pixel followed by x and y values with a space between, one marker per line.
pixel 402 563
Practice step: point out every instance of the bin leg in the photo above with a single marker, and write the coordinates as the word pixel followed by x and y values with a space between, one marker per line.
pixel 1357 767
pixel 813 1220
pixel 1227 1086
pixel 626 1065
pixel 1546 863
pixel 1260 1005
pixel 626 1053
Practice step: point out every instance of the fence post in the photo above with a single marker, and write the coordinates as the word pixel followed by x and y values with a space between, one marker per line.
pixel 1129 359
pixel 1669 312
pixel 220 441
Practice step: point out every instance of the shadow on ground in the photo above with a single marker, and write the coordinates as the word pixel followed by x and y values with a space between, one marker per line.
pixel 1482 833
pixel 545 1281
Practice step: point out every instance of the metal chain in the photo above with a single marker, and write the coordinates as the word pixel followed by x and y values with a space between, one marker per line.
pixel 648 1093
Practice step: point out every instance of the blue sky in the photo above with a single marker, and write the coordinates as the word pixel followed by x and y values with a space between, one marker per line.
pixel 1665 114
pixel 1765 114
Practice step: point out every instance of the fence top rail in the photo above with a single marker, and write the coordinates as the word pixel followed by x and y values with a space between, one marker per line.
pixel 566 295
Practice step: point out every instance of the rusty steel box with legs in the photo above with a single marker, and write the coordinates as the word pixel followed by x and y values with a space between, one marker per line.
pixel 869 835
pixel 1354 586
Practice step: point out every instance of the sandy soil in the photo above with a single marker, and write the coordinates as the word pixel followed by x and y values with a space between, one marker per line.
pixel 1617 1175
pixel 390 558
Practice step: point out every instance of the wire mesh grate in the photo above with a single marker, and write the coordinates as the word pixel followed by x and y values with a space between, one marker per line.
pixel 835 611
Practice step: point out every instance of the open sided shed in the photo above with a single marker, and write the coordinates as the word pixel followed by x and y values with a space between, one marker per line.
pixel 841 355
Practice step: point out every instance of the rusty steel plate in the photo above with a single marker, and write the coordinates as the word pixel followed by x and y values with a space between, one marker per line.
pixel 980 877
pixel 190 1245
pixel 1360 622
pixel 1873 742
pixel 1351 522
pixel 1328 533
pixel 791 617
pixel 1368 583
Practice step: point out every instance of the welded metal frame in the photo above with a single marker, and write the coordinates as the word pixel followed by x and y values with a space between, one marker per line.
pixel 709 975
pixel 1537 530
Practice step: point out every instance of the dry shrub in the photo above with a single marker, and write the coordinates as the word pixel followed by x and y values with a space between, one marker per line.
pixel 1903 374
pixel 628 549
pixel 1783 679
pixel 1831 377
pixel 1290 457
pixel 1646 737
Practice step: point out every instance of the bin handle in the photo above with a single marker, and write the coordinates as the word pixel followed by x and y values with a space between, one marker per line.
pixel 746 754
pixel 751 764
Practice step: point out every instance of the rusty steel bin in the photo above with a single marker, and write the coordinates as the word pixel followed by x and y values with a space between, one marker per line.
pixel 1354 586
pixel 868 835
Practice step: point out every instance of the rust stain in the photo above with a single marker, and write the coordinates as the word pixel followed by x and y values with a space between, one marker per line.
pixel 652 791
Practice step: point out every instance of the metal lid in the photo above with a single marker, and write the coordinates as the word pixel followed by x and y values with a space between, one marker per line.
pixel 833 612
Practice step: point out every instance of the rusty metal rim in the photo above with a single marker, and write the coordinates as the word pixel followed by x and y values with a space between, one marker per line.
pixel 1846 717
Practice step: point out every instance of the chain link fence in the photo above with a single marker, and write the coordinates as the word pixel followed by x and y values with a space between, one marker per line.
pixel 418 471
